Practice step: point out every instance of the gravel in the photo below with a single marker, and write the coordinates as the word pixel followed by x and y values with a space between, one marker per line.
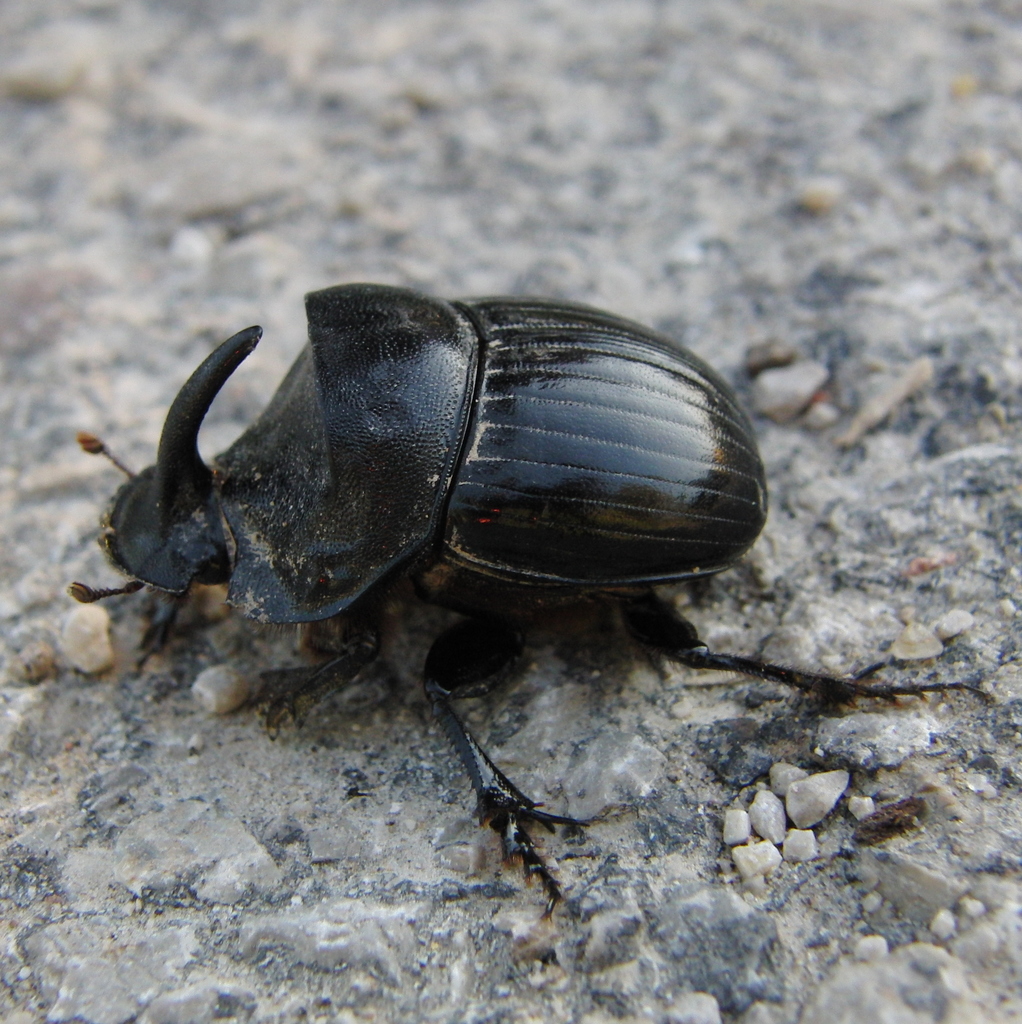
pixel 810 800
pixel 838 185
pixel 766 813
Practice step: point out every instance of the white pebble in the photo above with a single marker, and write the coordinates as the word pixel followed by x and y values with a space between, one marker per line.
pixel 860 807
pixel 811 799
pixel 737 828
pixel 954 623
pixel 693 1008
pixel 782 775
pixel 221 689
pixel 971 908
pixel 784 392
pixel 872 902
pixel 755 860
pixel 943 924
pixel 799 845
pixel 870 947
pixel 86 639
pixel 820 416
pixel 915 643
pixel 766 813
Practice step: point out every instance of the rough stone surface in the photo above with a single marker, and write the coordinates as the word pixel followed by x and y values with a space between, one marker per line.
pixel 840 179
pixel 918 984
pixel 720 945
pixel 191 843
pixel 346 933
pixel 918 887
pixel 203 1003
pixel 810 800
pixel 863 740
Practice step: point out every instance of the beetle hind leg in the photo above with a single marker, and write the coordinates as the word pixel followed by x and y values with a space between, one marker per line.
pixel 657 626
pixel 463 662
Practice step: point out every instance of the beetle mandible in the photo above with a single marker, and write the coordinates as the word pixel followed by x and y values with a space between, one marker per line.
pixel 505 454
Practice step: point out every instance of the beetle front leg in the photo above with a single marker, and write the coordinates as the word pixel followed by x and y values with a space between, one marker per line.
pixel 293 692
pixel 463 663
pixel 657 626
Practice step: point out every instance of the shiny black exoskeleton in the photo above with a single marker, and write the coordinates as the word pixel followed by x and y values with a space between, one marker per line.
pixel 504 454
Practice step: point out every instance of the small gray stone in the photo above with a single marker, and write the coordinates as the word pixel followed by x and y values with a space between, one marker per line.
pixel 766 813
pixel 943 924
pixel 782 775
pixel 769 355
pixel 869 948
pixel 873 740
pixel 954 623
pixel 693 1008
pixel 811 799
pixel 860 807
pixel 783 393
pixel 755 860
pixel 820 416
pixel 800 845
pixel 737 826
pixel 915 643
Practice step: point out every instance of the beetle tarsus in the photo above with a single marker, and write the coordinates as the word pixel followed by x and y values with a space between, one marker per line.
pixel 656 625
pixel 464 662
pixel 291 693
pixel 519 849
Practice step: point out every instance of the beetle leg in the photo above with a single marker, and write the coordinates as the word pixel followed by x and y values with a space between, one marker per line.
pixel 463 663
pixel 293 692
pixel 659 627
pixel 161 625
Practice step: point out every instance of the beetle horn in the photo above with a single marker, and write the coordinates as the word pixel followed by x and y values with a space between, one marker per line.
pixel 182 478
pixel 164 527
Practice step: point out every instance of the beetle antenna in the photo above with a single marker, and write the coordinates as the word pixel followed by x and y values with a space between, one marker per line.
pixel 94 446
pixel 85 594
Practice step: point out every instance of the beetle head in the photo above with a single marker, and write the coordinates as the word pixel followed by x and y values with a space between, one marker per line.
pixel 165 526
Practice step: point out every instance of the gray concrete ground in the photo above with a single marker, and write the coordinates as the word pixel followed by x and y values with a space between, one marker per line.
pixel 844 179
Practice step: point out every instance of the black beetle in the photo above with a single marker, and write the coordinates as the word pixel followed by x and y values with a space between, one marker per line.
pixel 503 453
